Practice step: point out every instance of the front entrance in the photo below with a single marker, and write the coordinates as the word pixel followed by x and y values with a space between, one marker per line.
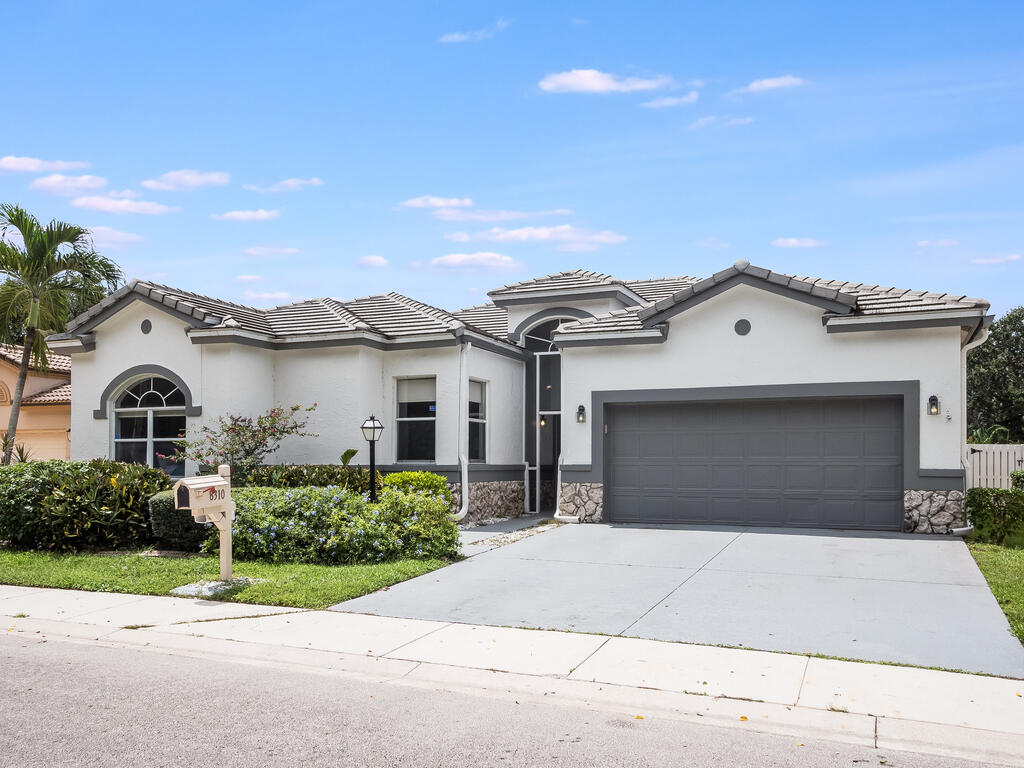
pixel 543 423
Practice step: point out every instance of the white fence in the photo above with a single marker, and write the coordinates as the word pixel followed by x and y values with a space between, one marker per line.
pixel 991 465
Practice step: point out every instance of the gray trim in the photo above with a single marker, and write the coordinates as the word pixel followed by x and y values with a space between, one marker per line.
pixel 967 321
pixel 566 340
pixel 146 370
pixel 128 298
pixel 86 343
pixel 652 315
pixel 546 314
pixel 487 345
pixel 913 476
pixel 540 296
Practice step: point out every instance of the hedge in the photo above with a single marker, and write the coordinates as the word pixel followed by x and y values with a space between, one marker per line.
pixel 174 528
pixel 420 482
pixel 301 475
pixel 995 513
pixel 72 505
pixel 1017 480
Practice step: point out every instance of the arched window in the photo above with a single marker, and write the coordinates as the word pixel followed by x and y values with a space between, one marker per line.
pixel 5 394
pixel 149 416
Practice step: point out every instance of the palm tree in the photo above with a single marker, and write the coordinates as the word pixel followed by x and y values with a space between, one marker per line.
pixel 53 270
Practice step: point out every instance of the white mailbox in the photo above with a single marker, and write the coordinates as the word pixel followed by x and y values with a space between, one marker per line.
pixel 208 498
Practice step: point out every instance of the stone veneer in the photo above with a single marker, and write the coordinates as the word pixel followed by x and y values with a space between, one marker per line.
pixel 584 500
pixel 493 498
pixel 932 511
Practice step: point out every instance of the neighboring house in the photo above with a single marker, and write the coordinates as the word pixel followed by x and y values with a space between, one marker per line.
pixel 746 398
pixel 45 418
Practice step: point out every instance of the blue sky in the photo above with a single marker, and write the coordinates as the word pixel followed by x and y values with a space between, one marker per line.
pixel 442 149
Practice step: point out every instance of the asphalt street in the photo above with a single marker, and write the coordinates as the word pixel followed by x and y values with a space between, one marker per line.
pixel 72 704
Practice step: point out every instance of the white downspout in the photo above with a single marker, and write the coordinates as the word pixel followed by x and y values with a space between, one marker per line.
pixel 464 350
pixel 965 461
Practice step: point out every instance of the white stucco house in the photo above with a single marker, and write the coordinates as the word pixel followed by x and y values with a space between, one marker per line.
pixel 749 397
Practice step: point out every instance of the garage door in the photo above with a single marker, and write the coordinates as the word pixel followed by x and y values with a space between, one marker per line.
pixel 834 463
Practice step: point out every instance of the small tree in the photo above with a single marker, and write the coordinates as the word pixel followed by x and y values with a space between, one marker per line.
pixel 995 378
pixel 243 442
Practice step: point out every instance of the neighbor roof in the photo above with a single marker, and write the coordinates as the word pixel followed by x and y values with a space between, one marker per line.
pixel 59 364
pixel 59 394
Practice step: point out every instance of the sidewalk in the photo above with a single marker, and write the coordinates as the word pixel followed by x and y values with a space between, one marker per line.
pixel 888 707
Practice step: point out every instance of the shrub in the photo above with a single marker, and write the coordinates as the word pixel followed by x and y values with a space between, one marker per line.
pixel 995 513
pixel 71 505
pixel 1017 480
pixel 420 482
pixel 172 527
pixel 355 479
pixel 330 525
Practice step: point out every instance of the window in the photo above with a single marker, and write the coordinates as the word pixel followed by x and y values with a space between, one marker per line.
pixel 417 413
pixel 149 417
pixel 477 421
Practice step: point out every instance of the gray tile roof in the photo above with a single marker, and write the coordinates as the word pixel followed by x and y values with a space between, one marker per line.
pixel 560 281
pixel 487 317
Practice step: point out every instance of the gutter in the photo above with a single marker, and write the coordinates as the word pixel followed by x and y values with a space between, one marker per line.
pixel 978 337
pixel 464 350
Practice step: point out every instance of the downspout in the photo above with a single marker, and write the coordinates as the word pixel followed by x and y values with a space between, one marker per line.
pixel 978 337
pixel 464 349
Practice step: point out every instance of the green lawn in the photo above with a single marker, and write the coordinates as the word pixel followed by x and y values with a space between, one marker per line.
pixel 1003 568
pixel 300 586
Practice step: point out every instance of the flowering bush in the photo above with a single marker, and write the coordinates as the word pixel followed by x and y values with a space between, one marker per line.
pixel 330 525
pixel 299 475
pixel 419 482
pixel 243 442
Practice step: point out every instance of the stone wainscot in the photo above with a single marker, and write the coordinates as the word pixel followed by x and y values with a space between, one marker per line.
pixel 487 499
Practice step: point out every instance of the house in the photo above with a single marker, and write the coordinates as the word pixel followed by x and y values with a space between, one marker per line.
pixel 746 398
pixel 45 418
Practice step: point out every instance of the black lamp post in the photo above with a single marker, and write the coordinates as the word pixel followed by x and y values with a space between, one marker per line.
pixel 372 430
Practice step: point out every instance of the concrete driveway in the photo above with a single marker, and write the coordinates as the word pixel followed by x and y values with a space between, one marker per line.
pixel 883 597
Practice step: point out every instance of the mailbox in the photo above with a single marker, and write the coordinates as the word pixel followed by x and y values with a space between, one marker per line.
pixel 208 498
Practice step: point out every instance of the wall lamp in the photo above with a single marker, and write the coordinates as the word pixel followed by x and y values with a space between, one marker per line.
pixel 933 405
pixel 581 415
pixel 543 421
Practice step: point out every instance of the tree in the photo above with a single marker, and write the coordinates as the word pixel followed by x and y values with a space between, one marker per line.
pixel 995 378
pixel 49 272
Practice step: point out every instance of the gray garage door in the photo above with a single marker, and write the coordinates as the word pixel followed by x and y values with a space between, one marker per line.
pixel 834 463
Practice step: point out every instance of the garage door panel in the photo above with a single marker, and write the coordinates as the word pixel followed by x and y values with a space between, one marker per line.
pixel 658 478
pixel 802 413
pixel 803 444
pixel 878 511
pixel 694 476
pixel 883 444
pixel 882 476
pixel 622 476
pixel 764 477
pixel 626 446
pixel 849 444
pixel 728 509
pixel 763 510
pixel 882 413
pixel 727 445
pixel 843 478
pixel 657 445
pixel 802 477
pixel 842 513
pixel 766 444
pixel 692 444
pixel 729 477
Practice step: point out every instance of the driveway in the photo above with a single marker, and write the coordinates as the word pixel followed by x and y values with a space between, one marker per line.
pixel 882 597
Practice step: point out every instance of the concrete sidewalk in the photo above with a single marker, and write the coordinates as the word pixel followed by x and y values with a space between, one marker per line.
pixel 889 707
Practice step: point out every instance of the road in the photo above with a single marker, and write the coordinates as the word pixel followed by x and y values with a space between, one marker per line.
pixel 65 703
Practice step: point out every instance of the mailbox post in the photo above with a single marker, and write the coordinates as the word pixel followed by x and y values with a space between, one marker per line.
pixel 208 498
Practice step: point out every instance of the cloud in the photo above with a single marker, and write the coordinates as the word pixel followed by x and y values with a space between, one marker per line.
pixel 701 122
pixel 130 194
pixel 478 260
pixel 187 179
pixel 797 242
pixel 942 243
pixel 35 165
pixel 373 261
pixel 271 250
pixel 475 36
pixel 772 83
pixel 456 214
pixel 111 239
pixel 712 242
pixel 429 201
pixel 595 81
pixel 740 121
pixel 261 214
pixel 248 278
pixel 565 236
pixel 997 259
pixel 269 296
pixel 286 185
pixel 59 184
pixel 111 204
pixel 458 237
pixel 671 101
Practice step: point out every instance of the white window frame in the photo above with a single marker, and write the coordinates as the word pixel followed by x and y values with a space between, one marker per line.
pixel 482 420
pixel 148 412
pixel 400 419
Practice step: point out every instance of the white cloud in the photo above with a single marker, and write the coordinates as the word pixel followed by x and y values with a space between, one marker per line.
pixel 712 242
pixel 458 237
pixel 59 184
pixel 740 121
pixel 373 261
pixel 248 278
pixel 941 243
pixel 478 260
pixel 261 214
pixel 671 101
pixel 997 259
pixel 595 81
pixel 797 242
pixel 486 33
pixel 187 179
pixel 286 185
pixel 429 201
pixel 129 194
pixel 772 83
pixel 111 239
pixel 109 204
pixel 269 296
pixel 565 236
pixel 701 122
pixel 271 250
pixel 35 165
pixel 456 214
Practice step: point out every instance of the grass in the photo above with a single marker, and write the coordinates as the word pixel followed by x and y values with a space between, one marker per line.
pixel 295 585
pixel 1003 568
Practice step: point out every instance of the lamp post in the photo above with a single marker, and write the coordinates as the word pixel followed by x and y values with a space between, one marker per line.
pixel 372 430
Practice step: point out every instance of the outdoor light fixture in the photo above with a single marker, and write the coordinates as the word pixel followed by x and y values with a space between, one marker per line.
pixel 372 430
pixel 581 415
pixel 933 405
pixel 543 421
